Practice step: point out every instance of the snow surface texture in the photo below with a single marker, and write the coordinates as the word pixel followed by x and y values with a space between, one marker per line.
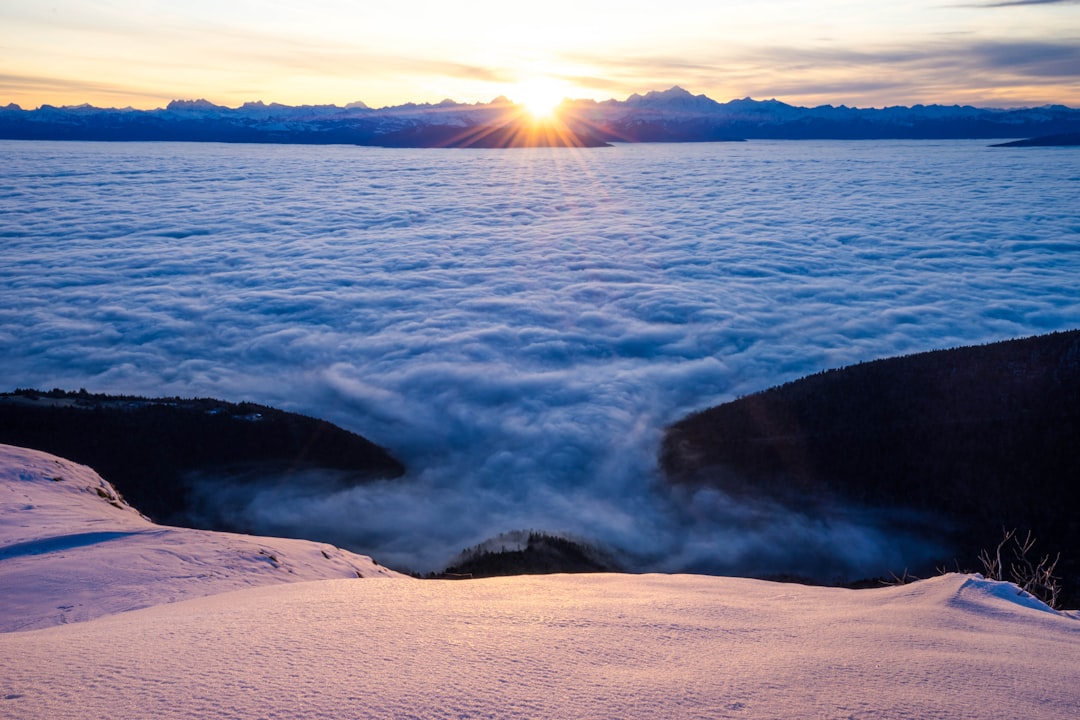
pixel 71 549
pixel 518 327
pixel 559 646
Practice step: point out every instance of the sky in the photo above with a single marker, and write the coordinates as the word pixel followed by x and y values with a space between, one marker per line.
pixel 144 53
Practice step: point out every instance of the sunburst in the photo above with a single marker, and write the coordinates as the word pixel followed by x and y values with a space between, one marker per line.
pixel 540 97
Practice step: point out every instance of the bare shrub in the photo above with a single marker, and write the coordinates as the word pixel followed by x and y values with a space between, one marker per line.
pixel 1036 578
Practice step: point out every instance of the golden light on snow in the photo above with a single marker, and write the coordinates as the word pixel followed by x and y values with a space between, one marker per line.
pixel 248 640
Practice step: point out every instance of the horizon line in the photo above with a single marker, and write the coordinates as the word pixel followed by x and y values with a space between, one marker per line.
pixel 503 100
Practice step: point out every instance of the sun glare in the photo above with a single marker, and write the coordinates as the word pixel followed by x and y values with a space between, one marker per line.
pixel 540 98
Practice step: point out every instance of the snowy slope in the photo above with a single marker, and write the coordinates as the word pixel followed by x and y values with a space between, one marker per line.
pixel 594 646
pixel 561 646
pixel 71 549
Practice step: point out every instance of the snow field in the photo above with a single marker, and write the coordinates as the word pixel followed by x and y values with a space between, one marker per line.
pixel 596 646
pixel 167 634
pixel 69 553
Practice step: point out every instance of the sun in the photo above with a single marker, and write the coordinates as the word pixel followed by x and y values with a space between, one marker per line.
pixel 540 97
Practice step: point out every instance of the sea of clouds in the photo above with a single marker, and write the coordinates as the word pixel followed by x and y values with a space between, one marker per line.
pixel 519 326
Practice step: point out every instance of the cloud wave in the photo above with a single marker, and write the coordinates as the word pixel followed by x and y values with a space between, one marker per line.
pixel 519 326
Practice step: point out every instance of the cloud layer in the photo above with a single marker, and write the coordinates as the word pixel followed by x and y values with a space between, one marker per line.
pixel 518 327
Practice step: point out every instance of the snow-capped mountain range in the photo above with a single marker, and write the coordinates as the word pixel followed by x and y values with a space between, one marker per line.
pixel 673 115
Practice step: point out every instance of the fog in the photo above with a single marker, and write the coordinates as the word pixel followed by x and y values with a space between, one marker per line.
pixel 519 326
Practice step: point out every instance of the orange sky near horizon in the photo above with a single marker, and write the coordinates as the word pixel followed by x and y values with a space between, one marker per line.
pixel 118 53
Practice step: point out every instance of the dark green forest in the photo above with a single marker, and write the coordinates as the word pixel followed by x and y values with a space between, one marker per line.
pixel 147 447
pixel 541 554
pixel 980 439
pixel 985 437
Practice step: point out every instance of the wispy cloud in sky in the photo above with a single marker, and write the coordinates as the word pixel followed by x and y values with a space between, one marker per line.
pixel 1013 3
pixel 328 51
pixel 17 85
pixel 936 70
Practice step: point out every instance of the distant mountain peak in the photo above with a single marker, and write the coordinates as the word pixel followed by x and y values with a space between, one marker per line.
pixel 675 91
pixel 671 93
pixel 200 104
pixel 751 102
pixel 675 97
